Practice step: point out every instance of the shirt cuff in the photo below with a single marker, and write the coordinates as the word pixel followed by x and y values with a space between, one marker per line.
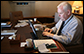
pixel 53 29
pixel 54 36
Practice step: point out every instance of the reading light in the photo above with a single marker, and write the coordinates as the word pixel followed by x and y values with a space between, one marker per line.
pixel 77 5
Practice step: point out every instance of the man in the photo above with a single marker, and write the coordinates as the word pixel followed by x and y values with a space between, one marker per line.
pixel 71 33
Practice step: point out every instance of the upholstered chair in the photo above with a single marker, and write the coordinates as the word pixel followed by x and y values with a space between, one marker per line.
pixel 56 19
pixel 15 16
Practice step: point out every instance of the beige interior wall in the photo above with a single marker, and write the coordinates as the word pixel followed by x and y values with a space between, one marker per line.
pixel 7 6
pixel 42 8
pixel 47 8
pixel 5 9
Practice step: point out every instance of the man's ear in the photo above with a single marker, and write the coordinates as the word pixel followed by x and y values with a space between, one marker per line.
pixel 68 12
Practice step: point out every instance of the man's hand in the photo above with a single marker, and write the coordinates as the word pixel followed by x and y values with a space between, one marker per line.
pixel 47 34
pixel 48 30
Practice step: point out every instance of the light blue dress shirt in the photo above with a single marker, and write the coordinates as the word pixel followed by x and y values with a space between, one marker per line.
pixel 71 32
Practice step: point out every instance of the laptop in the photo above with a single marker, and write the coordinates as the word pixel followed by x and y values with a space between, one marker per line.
pixel 37 34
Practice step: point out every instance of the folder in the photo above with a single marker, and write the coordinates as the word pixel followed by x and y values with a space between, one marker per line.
pixel 37 42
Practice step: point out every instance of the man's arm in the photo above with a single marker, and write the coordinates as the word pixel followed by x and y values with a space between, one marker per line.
pixel 68 34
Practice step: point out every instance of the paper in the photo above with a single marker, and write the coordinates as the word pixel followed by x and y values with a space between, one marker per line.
pixel 23 44
pixel 12 37
pixel 41 41
pixel 8 32
pixel 21 24
pixel 22 20
pixel 42 48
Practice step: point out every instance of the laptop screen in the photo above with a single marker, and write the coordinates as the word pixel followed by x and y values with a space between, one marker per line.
pixel 31 25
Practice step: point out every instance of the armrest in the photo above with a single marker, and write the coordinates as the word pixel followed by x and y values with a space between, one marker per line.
pixel 50 25
pixel 75 48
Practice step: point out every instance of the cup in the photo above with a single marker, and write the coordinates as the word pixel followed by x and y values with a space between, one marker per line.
pixel 29 42
pixel 35 19
pixel 38 27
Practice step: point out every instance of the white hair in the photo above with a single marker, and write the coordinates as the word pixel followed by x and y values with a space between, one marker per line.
pixel 65 5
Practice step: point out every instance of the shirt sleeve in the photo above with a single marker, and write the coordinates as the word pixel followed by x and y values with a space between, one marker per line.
pixel 56 26
pixel 62 38
pixel 54 29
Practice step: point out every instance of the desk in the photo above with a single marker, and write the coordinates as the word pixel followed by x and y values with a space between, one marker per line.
pixel 24 33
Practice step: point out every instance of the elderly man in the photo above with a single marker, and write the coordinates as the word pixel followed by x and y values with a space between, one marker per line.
pixel 71 31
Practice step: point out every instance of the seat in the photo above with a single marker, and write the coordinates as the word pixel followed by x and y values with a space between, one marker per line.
pixel 76 48
pixel 56 19
pixel 15 16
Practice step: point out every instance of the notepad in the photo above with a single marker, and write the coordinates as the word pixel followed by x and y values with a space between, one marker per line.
pixel 45 41
pixel 8 32
pixel 42 48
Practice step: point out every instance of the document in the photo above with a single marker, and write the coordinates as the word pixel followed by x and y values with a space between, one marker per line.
pixel 12 37
pixel 45 41
pixel 21 24
pixel 22 44
pixel 8 32
pixel 42 48
pixel 23 21
pixel 40 45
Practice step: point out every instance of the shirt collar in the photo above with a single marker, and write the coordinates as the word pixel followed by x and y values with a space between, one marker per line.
pixel 68 19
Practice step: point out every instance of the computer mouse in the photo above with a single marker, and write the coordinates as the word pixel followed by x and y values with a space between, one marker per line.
pixel 47 45
pixel 52 45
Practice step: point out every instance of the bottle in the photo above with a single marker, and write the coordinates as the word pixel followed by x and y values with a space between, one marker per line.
pixel 35 20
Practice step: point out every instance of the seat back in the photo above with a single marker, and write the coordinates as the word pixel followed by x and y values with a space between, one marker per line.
pixel 81 19
pixel 56 19
pixel 15 16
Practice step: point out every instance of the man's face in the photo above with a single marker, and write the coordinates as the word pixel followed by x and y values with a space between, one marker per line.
pixel 62 14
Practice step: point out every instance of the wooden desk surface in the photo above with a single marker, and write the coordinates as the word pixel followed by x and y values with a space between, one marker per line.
pixel 24 33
